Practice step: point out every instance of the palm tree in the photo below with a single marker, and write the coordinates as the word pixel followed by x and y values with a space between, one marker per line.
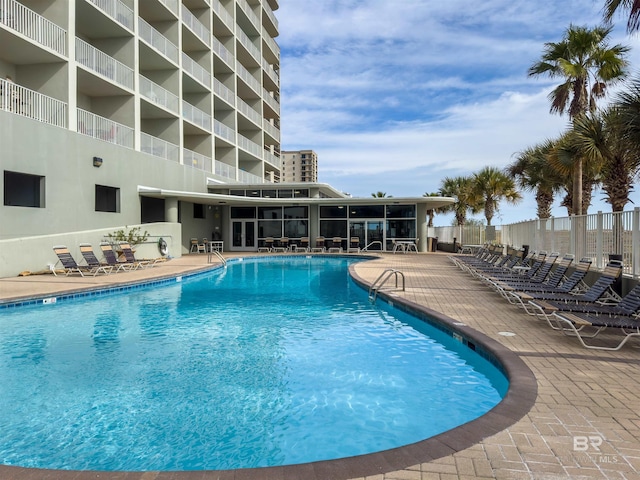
pixel 533 172
pixel 380 195
pixel 431 212
pixel 601 140
pixel 492 186
pixel 461 188
pixel 633 6
pixel 588 66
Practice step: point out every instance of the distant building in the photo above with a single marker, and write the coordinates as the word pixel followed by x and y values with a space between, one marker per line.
pixel 299 166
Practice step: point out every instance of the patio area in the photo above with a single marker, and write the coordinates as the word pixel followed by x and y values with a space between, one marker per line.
pixel 584 424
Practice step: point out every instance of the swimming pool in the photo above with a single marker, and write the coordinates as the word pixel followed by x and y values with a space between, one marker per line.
pixel 292 372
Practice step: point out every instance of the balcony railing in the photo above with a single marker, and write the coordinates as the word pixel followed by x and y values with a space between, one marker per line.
pixel 595 236
pixel 29 103
pixel 159 148
pixel 246 43
pixel 273 75
pixel 116 10
pixel 101 63
pixel 225 16
pixel 223 92
pixel 271 129
pixel 196 116
pixel 172 5
pixel 157 40
pixel 221 130
pixel 249 146
pixel 16 16
pixel 253 18
pixel 159 95
pixel 271 43
pixel 224 170
pixel 270 15
pixel 246 177
pixel 271 100
pixel 272 159
pixel 195 70
pixel 196 26
pixel 249 112
pixel 196 160
pixel 104 129
pixel 247 78
pixel 223 52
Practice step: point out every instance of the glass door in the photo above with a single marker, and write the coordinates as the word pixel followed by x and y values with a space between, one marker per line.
pixel 243 235
pixel 369 232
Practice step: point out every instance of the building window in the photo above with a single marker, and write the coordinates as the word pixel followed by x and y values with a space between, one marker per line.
pixel 107 199
pixel 23 190
pixel 198 210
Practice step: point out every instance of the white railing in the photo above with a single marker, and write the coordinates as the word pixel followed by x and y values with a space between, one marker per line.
pixel 223 92
pixel 103 64
pixel 196 116
pixel 253 18
pixel 272 159
pixel 248 111
pixel 247 78
pixel 271 43
pixel 159 148
pixel 224 170
pixel 117 11
pixel 195 70
pixel 196 160
pixel 245 41
pixel 249 146
pixel 29 103
pixel 157 40
pixel 271 100
pixel 221 130
pixel 271 129
pixel 246 177
pixel 270 15
pixel 223 52
pixel 273 75
pixel 595 236
pixel 104 129
pixel 25 21
pixel 159 95
pixel 196 26
pixel 224 15
pixel 172 5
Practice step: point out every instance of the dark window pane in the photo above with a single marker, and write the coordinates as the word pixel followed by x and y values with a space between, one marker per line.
pixel 333 212
pixel 401 211
pixel 366 211
pixel 243 212
pixel 270 213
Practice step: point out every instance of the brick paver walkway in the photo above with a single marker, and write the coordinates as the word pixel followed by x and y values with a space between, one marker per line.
pixel 585 423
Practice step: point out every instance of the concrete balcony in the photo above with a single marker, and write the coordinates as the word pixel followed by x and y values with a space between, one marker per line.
pixel 224 132
pixel 196 160
pixel 157 41
pixel 196 116
pixel 26 22
pixel 248 111
pixel 160 148
pixel 104 129
pixel 253 18
pixel 196 71
pixel 245 41
pixel 223 92
pixel 117 10
pixel 29 103
pixel 223 14
pixel 249 146
pixel 221 51
pixel 102 64
pixel 158 95
pixel 247 78
pixel 196 26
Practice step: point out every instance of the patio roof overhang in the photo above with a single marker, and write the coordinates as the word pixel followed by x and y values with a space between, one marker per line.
pixel 234 200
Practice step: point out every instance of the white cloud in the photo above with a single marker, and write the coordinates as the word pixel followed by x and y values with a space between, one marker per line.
pixel 394 96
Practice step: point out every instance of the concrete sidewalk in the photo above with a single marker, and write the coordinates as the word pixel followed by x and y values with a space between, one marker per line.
pixel 585 423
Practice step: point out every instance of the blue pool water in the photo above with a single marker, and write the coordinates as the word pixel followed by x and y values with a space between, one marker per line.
pixel 264 363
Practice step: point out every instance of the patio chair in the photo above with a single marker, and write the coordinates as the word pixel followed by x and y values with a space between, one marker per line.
pixel 92 261
pixel 112 259
pixel 303 245
pixel 202 247
pixel 267 246
pixel 320 245
pixel 69 264
pixel 544 304
pixel 336 245
pixel 354 245
pixel 130 257
pixel 578 324
pixel 283 245
pixel 521 274
pixel 194 246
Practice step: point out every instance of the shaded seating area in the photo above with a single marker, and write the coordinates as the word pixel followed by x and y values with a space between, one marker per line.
pixel 267 245
pixel 303 245
pixel 320 245
pixel 354 245
pixel 281 245
pixel 336 245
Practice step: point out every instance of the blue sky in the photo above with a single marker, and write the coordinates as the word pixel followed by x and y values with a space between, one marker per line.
pixel 395 95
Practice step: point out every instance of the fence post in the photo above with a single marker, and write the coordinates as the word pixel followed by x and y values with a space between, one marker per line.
pixel 599 240
pixel 635 243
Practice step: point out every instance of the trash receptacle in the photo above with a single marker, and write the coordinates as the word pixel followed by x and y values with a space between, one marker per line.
pixel 429 244
pixel 435 244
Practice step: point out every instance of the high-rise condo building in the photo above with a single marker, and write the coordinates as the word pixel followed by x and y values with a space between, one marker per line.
pixel 299 166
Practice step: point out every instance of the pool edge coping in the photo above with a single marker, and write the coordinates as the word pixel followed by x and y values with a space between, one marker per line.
pixel 518 401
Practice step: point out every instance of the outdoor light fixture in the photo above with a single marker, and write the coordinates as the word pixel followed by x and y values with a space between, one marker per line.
pixel 97 161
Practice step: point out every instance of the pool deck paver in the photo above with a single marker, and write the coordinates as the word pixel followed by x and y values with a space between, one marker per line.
pixel 585 423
